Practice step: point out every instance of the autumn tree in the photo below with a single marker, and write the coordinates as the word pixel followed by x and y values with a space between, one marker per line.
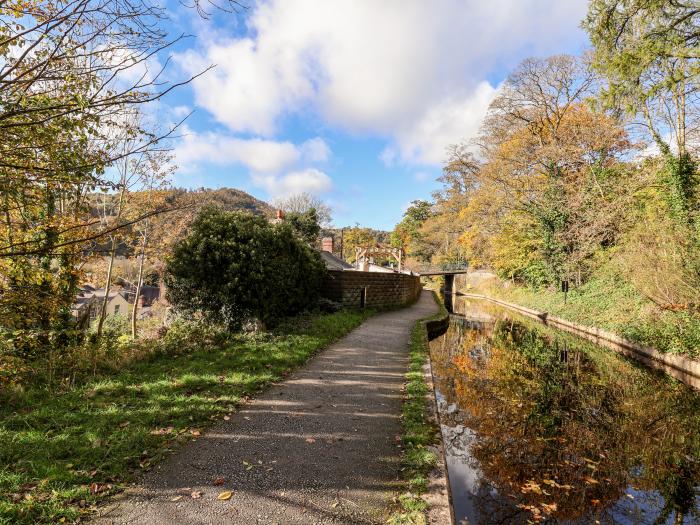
pixel 648 54
pixel 407 234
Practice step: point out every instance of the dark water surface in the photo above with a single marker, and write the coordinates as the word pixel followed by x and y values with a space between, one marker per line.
pixel 543 427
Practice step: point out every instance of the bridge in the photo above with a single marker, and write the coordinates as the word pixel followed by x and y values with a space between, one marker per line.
pixel 442 269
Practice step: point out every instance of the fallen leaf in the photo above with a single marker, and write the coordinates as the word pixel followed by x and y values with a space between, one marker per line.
pixel 195 432
pixel 161 431
pixel 97 488
pixel 225 495
pixel 176 498
pixel 196 494
pixel 124 424
pixel 590 481
pixel 226 418
pixel 219 481
pixel 310 440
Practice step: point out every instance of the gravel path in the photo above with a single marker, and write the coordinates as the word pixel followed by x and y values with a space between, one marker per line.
pixel 318 448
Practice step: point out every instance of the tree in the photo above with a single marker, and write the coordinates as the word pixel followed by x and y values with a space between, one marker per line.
pixel 407 235
pixel 235 266
pixel 649 52
pixel 550 156
pixel 357 236
pixel 305 225
pixel 301 203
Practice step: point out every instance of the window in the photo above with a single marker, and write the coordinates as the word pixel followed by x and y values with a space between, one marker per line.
pixel 116 309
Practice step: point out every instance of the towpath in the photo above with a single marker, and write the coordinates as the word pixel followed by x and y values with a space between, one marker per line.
pixel 320 447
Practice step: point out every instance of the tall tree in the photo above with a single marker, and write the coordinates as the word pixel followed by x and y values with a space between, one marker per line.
pixel 301 203
pixel 649 52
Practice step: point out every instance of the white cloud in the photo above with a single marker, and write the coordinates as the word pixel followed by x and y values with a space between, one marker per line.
pixel 260 156
pixel 309 180
pixel 180 112
pixel 409 71
pixel 315 150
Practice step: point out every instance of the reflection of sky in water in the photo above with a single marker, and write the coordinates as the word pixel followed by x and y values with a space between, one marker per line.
pixel 476 499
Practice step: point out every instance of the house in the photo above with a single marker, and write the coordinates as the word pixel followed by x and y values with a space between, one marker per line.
pixel 116 303
pixel 120 301
pixel 147 294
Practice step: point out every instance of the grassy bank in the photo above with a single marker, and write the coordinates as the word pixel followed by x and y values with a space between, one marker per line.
pixel 608 301
pixel 418 431
pixel 60 454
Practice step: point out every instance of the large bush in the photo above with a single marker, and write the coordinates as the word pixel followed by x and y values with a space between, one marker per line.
pixel 236 266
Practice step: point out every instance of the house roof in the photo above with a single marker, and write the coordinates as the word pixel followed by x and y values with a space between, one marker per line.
pixel 335 263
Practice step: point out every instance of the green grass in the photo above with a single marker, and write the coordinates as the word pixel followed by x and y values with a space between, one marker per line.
pixel 418 431
pixel 61 454
pixel 608 301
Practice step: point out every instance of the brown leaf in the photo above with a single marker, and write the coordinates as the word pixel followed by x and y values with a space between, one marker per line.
pixel 219 481
pixel 97 488
pixel 310 440
pixel 195 433
pixel 196 494
pixel 161 431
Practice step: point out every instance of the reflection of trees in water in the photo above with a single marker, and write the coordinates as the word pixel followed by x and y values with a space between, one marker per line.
pixel 566 428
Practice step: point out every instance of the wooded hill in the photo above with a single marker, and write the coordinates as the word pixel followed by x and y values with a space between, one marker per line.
pixel 171 225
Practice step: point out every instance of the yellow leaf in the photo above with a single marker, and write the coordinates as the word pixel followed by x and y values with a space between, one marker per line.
pixel 225 495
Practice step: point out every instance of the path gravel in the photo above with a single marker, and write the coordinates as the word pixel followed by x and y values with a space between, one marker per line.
pixel 320 447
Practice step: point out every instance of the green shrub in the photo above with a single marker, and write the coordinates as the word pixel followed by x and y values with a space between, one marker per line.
pixel 234 266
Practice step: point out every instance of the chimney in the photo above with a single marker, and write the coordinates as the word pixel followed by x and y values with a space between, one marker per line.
pixel 327 244
pixel 280 215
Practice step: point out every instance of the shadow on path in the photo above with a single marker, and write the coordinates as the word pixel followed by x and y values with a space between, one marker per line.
pixel 320 447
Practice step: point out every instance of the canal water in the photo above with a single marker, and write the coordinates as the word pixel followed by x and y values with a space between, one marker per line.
pixel 540 426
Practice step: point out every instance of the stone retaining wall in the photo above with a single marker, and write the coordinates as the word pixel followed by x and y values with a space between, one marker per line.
pixel 380 290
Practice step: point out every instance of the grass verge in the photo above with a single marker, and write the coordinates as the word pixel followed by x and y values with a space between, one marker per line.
pixel 61 454
pixel 419 430
pixel 609 302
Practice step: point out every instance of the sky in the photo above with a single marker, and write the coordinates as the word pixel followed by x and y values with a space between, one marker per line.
pixel 353 101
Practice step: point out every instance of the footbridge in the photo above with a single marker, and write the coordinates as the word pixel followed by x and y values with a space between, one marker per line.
pixel 443 269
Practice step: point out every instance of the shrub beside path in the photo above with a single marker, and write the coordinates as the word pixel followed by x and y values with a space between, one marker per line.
pixel 320 447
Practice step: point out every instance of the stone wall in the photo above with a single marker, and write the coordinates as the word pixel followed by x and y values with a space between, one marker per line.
pixel 380 290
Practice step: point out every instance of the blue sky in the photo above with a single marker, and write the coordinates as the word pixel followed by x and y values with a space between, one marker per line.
pixel 354 101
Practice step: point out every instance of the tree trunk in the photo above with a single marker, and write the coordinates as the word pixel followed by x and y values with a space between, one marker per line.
pixel 139 281
pixel 108 283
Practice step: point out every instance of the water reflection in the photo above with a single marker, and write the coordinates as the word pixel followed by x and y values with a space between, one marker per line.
pixel 540 426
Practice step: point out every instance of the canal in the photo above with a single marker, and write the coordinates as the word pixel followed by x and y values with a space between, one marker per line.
pixel 541 426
